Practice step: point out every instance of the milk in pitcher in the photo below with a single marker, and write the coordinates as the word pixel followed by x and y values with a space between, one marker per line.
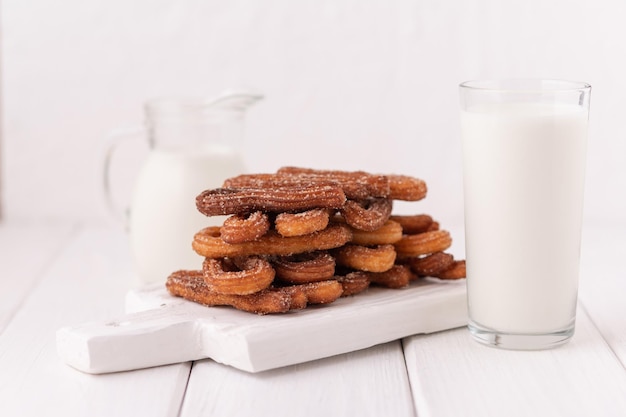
pixel 162 229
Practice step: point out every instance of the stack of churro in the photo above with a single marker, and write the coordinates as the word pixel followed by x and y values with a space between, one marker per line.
pixel 302 236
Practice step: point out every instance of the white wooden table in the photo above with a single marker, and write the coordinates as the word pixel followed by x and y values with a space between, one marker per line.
pixel 52 275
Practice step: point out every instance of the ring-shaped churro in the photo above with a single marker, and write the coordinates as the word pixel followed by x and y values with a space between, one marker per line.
pixel 354 282
pixel 433 226
pixel 402 187
pixel 190 285
pixel 368 215
pixel 304 268
pixel 431 265
pixel 296 294
pixel 423 243
pixel 303 223
pixel 388 233
pixel 455 271
pixel 240 228
pixel 240 277
pixel 399 276
pixel 413 224
pixel 322 292
pixel 371 259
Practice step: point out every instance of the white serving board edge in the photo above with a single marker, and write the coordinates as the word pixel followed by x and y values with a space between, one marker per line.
pixel 160 329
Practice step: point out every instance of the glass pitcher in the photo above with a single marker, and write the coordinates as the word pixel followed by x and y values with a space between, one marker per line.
pixel 194 145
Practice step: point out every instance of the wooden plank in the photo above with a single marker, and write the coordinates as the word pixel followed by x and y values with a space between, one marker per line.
pixel 26 250
pixel 603 285
pixel 87 282
pixel 452 375
pixel 370 382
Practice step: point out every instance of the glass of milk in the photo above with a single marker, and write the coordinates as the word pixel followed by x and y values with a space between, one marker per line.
pixel 194 144
pixel 524 149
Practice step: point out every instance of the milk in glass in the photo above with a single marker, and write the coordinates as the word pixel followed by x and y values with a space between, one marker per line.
pixel 524 167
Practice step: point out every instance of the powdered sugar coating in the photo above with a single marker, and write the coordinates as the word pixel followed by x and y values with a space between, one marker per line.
pixel 303 223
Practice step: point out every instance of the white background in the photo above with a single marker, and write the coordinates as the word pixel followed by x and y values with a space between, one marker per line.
pixel 349 84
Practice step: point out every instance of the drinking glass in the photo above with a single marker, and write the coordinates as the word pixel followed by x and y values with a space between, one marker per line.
pixel 524 150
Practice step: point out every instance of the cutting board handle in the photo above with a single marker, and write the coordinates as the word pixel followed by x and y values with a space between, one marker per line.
pixel 140 340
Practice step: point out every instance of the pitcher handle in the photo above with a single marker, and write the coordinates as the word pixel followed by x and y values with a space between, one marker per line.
pixel 111 141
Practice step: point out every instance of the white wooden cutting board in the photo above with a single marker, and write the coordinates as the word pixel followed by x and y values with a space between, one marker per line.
pixel 160 329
